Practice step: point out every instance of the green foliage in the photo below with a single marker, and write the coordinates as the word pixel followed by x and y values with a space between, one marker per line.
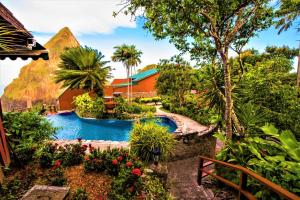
pixel 9 190
pixel 155 189
pixel 26 132
pixel 288 13
pixel 129 56
pixel 192 108
pixel 271 154
pixel 149 100
pixel 176 78
pixel 72 154
pixel 68 155
pixel 146 137
pixel 84 68
pixel 123 109
pixel 86 106
pixel 46 155
pixel 56 177
pixel 80 194
pixel 269 87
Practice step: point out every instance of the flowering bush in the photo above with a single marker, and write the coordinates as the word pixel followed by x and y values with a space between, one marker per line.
pixel 46 155
pixel 73 154
pixel 70 154
pixel 56 176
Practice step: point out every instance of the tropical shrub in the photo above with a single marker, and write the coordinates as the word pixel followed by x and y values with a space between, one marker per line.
pixel 56 175
pixel 153 187
pixel 9 190
pixel 86 106
pixel 127 184
pixel 46 155
pixel 26 132
pixel 68 155
pixel 273 155
pixel 149 100
pixel 80 194
pixel 136 108
pixel 147 137
pixel 123 109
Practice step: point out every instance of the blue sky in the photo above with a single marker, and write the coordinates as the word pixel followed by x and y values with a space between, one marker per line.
pixel 93 25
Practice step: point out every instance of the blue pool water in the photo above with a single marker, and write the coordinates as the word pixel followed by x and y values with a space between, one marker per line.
pixel 72 127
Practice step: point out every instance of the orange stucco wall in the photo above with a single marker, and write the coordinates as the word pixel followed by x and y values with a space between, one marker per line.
pixel 146 85
pixel 65 100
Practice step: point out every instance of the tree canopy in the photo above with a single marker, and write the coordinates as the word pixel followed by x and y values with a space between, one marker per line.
pixel 207 29
pixel 82 68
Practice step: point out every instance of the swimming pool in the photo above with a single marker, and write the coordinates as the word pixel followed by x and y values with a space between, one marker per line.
pixel 72 127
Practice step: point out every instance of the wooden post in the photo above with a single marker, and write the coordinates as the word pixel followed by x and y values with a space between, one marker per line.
pixel 200 168
pixel 243 185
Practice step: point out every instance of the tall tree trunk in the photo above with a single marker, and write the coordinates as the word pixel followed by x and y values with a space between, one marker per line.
pixel 131 95
pixel 228 96
pixel 298 69
pixel 128 85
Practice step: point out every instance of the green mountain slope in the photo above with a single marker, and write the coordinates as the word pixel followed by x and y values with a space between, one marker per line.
pixel 35 82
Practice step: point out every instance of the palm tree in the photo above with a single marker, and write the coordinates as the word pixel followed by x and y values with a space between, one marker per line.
pixel 83 68
pixel 130 57
pixel 9 36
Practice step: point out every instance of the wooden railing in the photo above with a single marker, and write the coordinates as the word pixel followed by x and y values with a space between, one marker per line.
pixel 242 187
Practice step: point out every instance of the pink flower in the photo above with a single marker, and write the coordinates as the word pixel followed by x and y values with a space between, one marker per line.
pixel 136 172
pixel 114 162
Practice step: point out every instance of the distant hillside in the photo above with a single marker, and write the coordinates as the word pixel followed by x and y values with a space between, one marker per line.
pixel 35 82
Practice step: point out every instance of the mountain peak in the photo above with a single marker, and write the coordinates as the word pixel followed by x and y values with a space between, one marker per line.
pixel 63 35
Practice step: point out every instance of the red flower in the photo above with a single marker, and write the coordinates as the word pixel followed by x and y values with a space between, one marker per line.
pixel 120 158
pixel 101 197
pixel 136 172
pixel 114 162
pixel 129 164
pixel 84 146
pixel 126 154
pixel 131 189
pixel 56 164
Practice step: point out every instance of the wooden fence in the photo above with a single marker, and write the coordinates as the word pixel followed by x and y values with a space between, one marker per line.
pixel 243 193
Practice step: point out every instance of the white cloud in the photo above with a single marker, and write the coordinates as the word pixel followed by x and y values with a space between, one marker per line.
pixel 81 16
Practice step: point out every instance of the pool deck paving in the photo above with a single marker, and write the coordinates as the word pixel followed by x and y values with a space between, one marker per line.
pixel 185 125
pixel 182 175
